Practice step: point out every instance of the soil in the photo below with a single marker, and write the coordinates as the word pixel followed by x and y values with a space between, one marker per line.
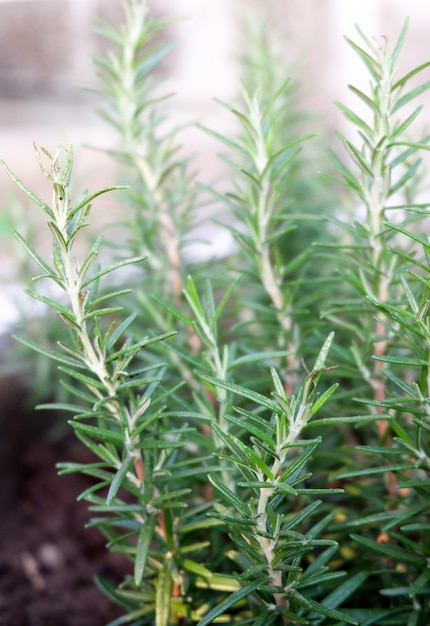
pixel 47 556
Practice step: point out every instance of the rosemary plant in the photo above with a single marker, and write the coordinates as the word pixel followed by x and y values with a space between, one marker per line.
pixel 225 469
pixel 161 190
pixel 136 440
pixel 386 266
pixel 385 166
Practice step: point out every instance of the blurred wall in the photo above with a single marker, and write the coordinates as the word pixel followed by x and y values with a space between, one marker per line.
pixel 45 44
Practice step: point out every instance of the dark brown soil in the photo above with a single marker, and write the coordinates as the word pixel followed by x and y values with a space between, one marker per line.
pixel 47 557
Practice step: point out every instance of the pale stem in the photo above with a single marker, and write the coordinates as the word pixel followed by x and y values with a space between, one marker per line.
pixel 268 546
pixel 148 174
pixel 268 272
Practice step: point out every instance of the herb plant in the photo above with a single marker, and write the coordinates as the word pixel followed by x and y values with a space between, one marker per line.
pixel 258 423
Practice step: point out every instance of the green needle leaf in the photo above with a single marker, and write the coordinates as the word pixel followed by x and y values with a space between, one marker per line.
pixel 231 600
pixel 229 496
pixel 163 596
pixel 119 478
pixel 143 545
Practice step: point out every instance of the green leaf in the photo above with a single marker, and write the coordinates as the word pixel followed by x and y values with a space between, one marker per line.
pixel 319 564
pixel 254 459
pixel 95 277
pixel 267 617
pixel 163 596
pixel 239 458
pixel 294 468
pixel 419 526
pixel 107 296
pixel 234 522
pixel 366 58
pixel 60 406
pixel 137 382
pixel 251 428
pixel 38 259
pixel 175 312
pixel 355 419
pixel 410 96
pixel 321 525
pixel 92 469
pixel 127 509
pixel 277 384
pixel 406 123
pixel 110 591
pixel 358 158
pixel 402 81
pixel 419 239
pixel 397 49
pixel 410 144
pixel 255 357
pixel 296 520
pixel 355 119
pixel 387 549
pixel 109 455
pixel 297 261
pixel 276 486
pixel 246 123
pixel 196 568
pixel 229 496
pixel 323 398
pixel 135 347
pixel 317 492
pixel 231 600
pixel 27 191
pixel 409 295
pixel 143 545
pixel 377 470
pixel 364 98
pixel 101 434
pixel 151 443
pixel 155 58
pixel 114 335
pixel 401 433
pixel 321 609
pixel 401 360
pixel 254 396
pixel 219 582
pixel 119 478
pixel 177 495
pixel 321 579
pixel 91 383
pixel 67 321
pixel 408 175
pixel 345 590
pixel 419 583
pixel 235 147
pixel 88 263
pixel 49 353
pixel 401 384
pixel 323 353
pixel 85 495
pixel 400 518
pixel 52 303
pixel 61 240
pixel 88 199
pixel 223 302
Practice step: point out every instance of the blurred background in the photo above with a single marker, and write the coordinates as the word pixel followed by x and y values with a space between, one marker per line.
pixel 45 49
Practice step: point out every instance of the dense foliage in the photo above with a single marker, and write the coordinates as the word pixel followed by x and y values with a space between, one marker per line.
pixel 259 422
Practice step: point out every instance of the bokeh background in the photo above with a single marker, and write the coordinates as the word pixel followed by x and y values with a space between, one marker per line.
pixel 45 49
